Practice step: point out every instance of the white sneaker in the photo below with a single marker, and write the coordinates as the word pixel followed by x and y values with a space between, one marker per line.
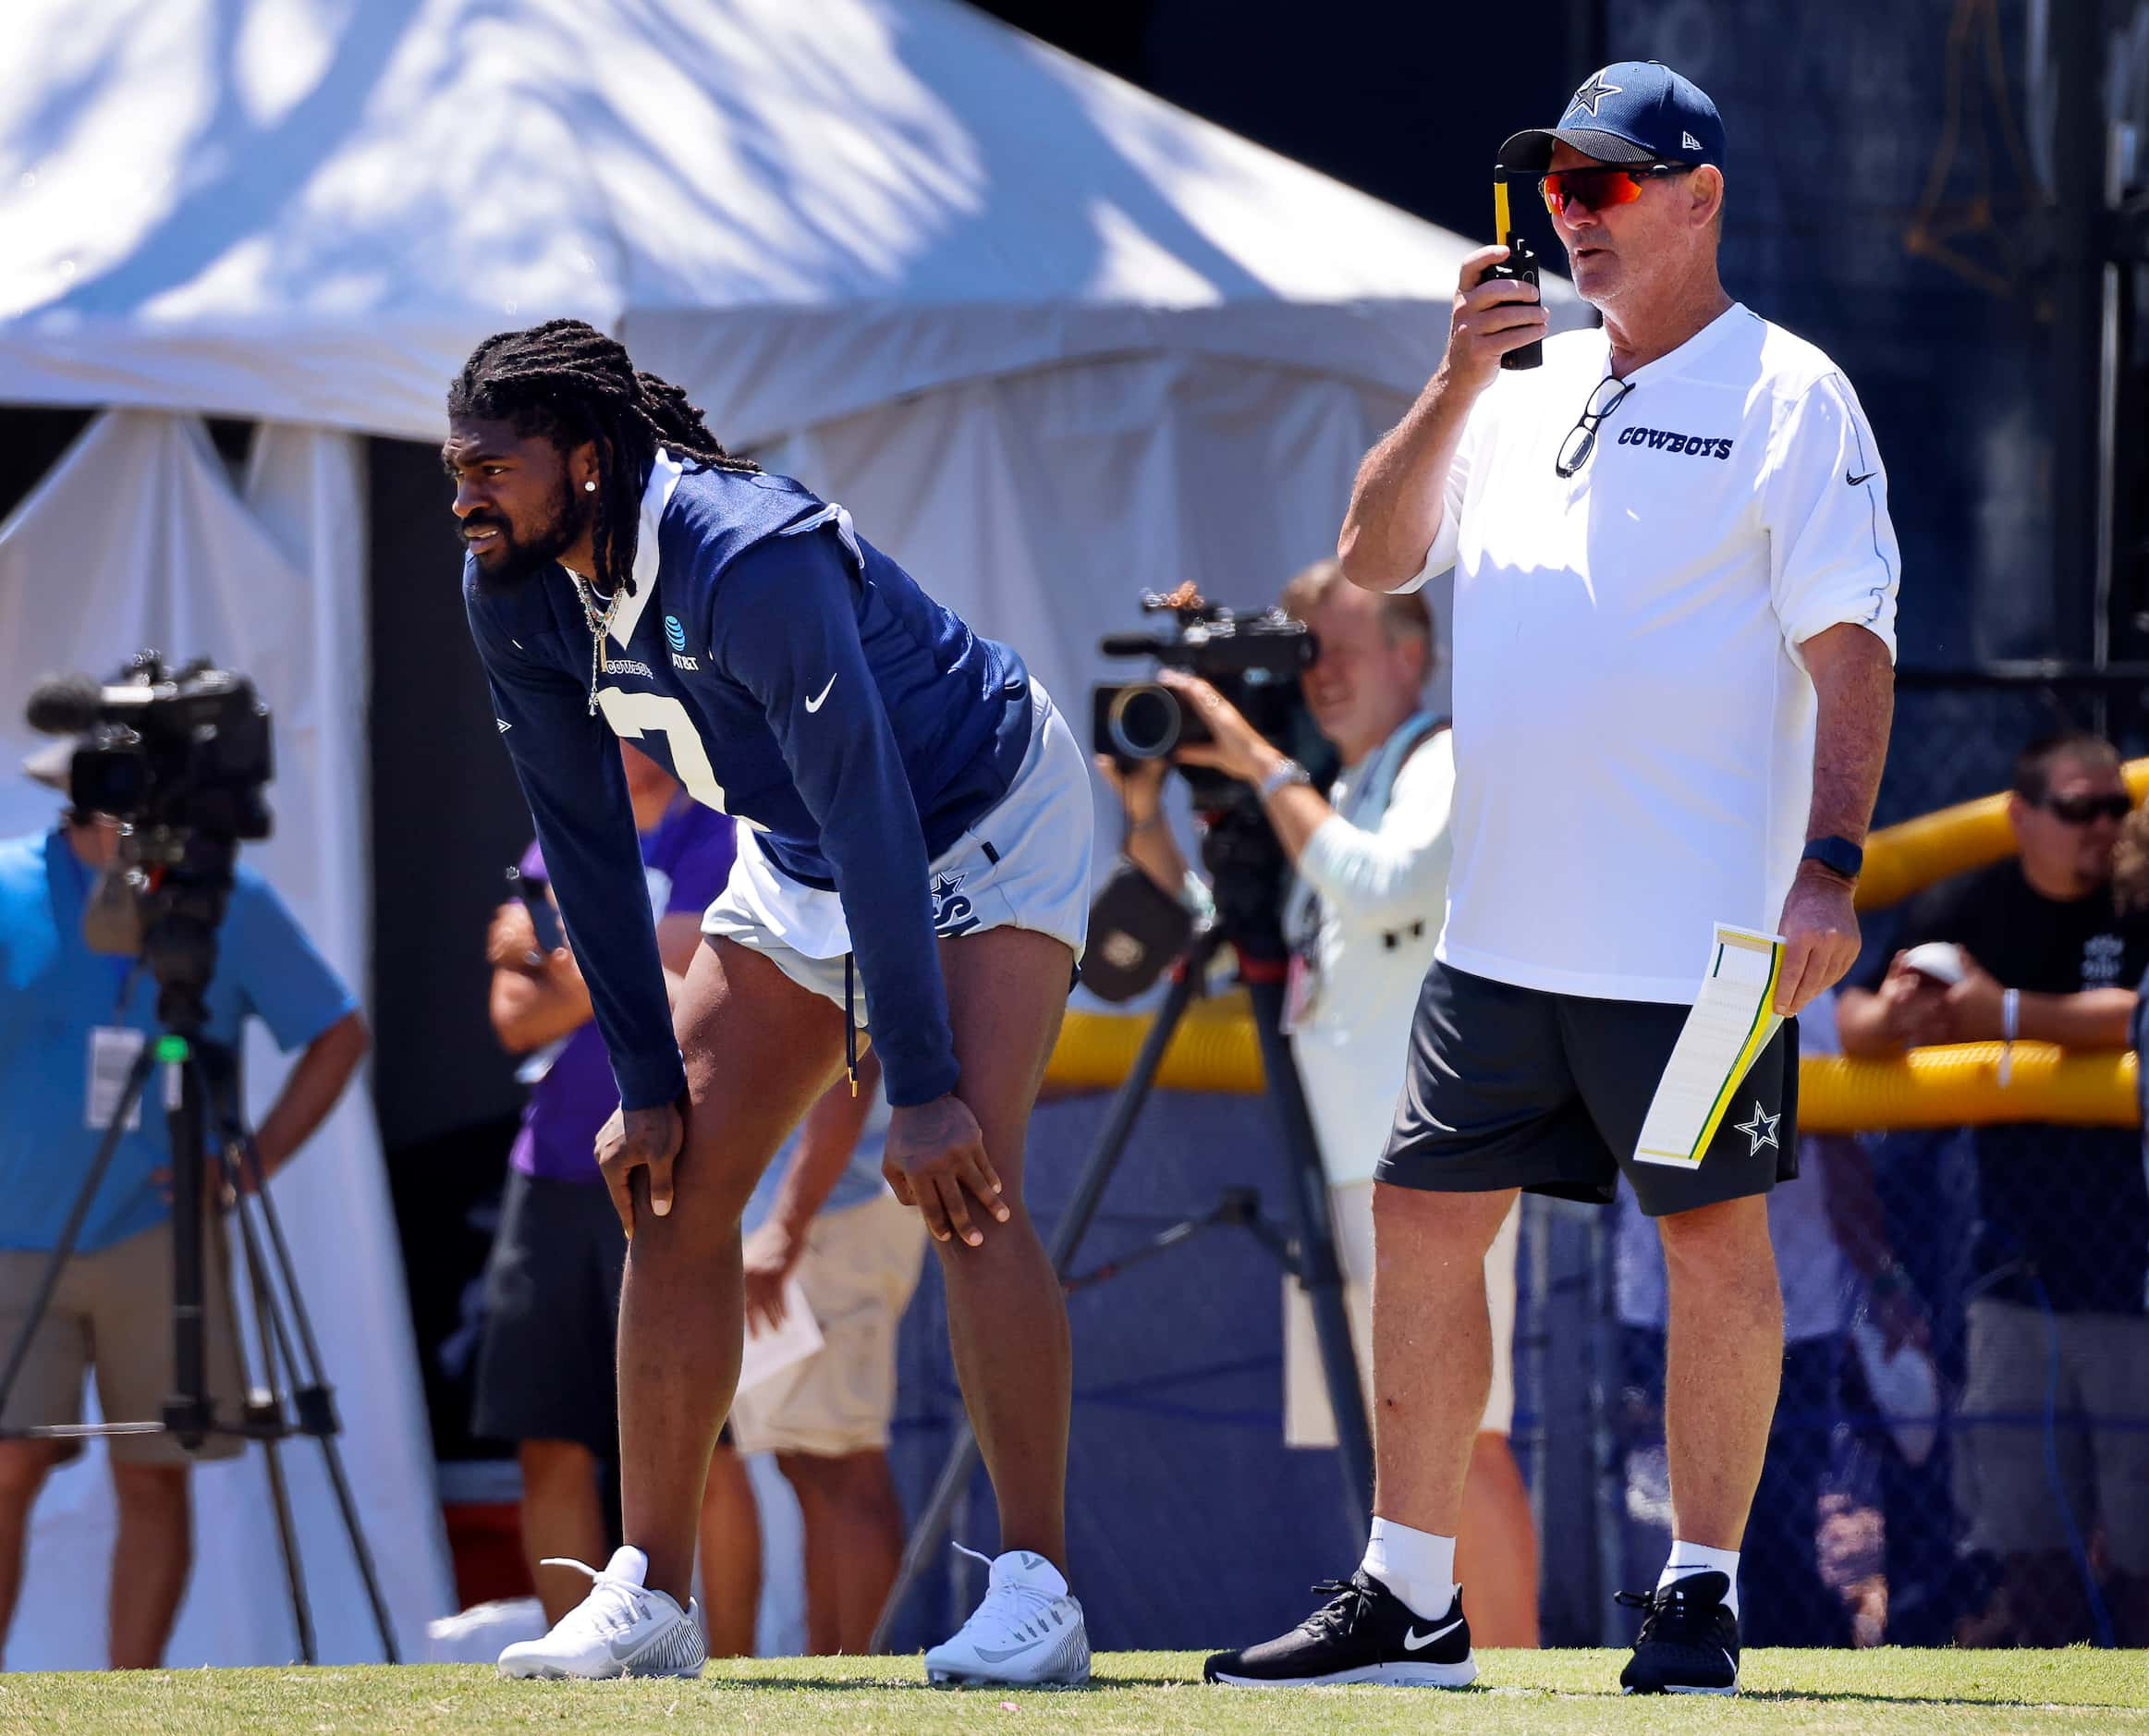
pixel 1027 1630
pixel 620 1629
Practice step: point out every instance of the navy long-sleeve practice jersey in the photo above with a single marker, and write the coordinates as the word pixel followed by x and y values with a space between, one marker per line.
pixel 790 674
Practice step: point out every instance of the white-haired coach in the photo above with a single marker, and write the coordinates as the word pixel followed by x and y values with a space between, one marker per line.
pixel 1675 585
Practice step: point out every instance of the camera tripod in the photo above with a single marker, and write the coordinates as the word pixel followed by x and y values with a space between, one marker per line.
pixel 292 1395
pixel 1311 1260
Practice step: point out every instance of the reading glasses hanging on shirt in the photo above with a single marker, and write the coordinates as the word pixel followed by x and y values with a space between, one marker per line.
pixel 1606 396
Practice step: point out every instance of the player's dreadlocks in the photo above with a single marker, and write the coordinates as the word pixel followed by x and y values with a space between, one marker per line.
pixel 569 382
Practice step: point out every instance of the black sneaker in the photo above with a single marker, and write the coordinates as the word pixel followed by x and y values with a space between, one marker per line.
pixel 1689 1641
pixel 1364 1632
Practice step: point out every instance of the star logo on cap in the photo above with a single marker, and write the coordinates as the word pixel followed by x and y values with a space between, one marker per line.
pixel 1760 1131
pixel 1591 93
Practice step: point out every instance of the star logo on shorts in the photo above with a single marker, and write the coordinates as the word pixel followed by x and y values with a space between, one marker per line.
pixel 952 912
pixel 1760 1131
pixel 1591 93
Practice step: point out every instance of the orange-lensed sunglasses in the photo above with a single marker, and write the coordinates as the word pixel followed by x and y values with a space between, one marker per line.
pixel 1593 189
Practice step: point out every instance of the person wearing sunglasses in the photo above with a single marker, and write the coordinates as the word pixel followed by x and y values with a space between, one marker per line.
pixel 2047 945
pixel 1674 604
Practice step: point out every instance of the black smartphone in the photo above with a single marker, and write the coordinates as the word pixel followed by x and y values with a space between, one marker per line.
pixel 543 919
pixel 1521 266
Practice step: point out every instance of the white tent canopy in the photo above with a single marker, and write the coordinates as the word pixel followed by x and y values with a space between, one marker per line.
pixel 308 210
pixel 1050 340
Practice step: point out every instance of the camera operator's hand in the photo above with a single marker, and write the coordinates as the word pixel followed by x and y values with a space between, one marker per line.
pixel 1140 787
pixel 1239 749
pixel 1489 318
pixel 1149 844
pixel 637 1138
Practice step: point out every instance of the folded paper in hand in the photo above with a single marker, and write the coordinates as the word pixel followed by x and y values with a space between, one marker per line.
pixel 769 1354
pixel 1732 1020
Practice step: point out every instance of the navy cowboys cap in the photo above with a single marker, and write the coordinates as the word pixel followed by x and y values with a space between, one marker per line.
pixel 1633 111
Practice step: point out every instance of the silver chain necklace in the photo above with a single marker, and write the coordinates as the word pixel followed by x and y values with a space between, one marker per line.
pixel 600 623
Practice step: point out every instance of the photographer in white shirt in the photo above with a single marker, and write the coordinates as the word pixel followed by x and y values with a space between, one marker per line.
pixel 1361 917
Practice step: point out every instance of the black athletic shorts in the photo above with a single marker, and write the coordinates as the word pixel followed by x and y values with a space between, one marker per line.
pixel 552 1312
pixel 1513 1087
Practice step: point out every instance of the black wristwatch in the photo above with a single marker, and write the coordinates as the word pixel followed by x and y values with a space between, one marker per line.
pixel 1838 855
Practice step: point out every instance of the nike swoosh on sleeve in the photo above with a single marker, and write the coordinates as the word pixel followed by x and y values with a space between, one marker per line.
pixel 814 704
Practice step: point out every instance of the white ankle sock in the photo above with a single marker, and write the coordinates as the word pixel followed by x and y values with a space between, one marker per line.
pixel 1418 1565
pixel 1697 1558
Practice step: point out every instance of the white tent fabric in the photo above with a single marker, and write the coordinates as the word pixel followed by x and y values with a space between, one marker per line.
pixel 139 538
pixel 1040 506
pixel 308 210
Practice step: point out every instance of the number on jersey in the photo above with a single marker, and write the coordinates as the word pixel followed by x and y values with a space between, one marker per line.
pixel 634 716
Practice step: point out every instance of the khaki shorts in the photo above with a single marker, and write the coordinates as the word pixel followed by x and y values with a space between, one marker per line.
pixel 1024 863
pixel 2004 1475
pixel 1308 1422
pixel 112 1312
pixel 859 1269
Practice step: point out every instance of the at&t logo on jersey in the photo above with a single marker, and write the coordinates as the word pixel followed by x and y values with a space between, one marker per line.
pixel 676 637
pixel 1664 440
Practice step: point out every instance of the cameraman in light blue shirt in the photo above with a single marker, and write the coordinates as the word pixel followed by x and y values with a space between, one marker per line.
pixel 71 1023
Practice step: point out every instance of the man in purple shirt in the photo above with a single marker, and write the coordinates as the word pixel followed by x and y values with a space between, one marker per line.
pixel 545 1373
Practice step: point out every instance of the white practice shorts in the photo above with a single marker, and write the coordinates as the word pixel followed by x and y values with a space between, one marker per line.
pixel 1024 863
pixel 1308 1422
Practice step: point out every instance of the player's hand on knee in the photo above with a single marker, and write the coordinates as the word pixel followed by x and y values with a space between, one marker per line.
pixel 639 1139
pixel 935 1160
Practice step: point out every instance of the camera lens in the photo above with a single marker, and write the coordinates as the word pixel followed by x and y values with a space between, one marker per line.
pixel 1145 721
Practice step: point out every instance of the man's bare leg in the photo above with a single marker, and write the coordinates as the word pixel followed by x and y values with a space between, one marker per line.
pixel 24 1466
pixel 1724 1364
pixel 1007 1319
pixel 730 1538
pixel 1496 1551
pixel 151 1556
pixel 561 1516
pixel 758 1050
pixel 854 1543
pixel 1431 1348
pixel 818 1554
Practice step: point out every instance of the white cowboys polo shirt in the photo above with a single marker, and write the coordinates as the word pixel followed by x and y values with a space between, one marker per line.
pixel 1633 726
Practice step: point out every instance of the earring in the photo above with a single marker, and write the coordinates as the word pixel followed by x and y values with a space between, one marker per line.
pixel 588 488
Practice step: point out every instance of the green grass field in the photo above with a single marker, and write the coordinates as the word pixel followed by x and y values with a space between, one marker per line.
pixel 1142 1694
